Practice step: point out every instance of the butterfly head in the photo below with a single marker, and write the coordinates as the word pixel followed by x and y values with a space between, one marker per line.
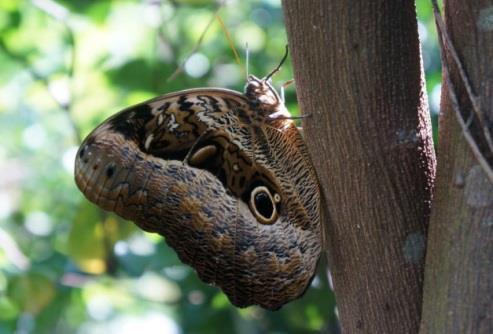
pixel 263 95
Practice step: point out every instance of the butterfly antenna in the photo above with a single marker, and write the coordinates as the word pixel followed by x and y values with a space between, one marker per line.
pixel 274 71
pixel 247 59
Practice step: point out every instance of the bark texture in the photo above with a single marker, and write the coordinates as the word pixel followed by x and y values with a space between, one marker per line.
pixel 358 74
pixel 458 294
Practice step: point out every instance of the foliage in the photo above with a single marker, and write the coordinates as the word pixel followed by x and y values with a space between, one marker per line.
pixel 68 267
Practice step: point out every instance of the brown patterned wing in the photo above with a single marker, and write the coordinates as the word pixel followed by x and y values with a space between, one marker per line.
pixel 234 194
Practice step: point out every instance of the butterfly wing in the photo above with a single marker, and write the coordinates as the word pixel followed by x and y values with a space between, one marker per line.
pixel 236 197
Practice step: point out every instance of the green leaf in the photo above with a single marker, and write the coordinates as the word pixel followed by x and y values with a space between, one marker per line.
pixel 85 242
pixel 31 292
pixel 93 234
pixel 8 309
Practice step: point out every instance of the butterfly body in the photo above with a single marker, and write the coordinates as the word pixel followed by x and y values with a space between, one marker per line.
pixel 224 176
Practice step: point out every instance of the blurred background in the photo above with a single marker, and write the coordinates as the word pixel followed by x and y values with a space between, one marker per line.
pixel 65 66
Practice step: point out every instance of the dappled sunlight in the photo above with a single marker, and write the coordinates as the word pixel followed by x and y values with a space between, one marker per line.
pixel 39 223
pixel 157 288
pixel 197 65
pixel 139 245
pixel 148 322
pixel 34 136
pixel 68 159
pixel 435 97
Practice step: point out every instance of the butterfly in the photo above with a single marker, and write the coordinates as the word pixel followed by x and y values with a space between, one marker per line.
pixel 224 176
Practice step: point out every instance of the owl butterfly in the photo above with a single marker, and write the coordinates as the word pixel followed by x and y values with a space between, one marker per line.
pixel 225 177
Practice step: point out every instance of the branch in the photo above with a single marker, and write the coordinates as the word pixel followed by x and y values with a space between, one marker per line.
pixel 446 42
pixel 196 47
pixel 61 14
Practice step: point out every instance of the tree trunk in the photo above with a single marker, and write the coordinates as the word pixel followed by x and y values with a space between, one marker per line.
pixel 358 74
pixel 458 294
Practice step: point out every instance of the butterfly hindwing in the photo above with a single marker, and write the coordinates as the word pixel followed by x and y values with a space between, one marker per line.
pixel 230 186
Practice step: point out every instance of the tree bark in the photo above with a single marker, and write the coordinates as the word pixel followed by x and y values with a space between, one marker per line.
pixel 458 295
pixel 358 75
